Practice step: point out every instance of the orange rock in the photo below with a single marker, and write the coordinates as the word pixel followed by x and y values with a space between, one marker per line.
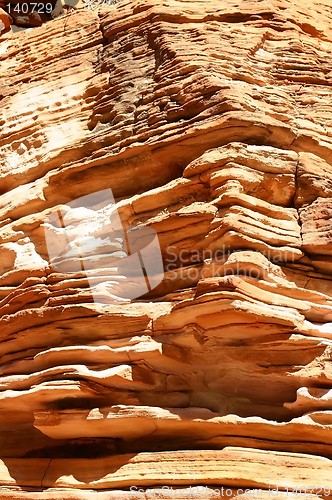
pixel 5 20
pixel 211 123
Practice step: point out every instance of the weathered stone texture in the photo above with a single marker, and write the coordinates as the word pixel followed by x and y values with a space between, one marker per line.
pixel 211 122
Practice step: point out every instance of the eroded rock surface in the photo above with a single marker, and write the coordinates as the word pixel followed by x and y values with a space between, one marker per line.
pixel 211 122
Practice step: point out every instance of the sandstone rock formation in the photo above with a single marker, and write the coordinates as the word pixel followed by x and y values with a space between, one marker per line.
pixel 211 122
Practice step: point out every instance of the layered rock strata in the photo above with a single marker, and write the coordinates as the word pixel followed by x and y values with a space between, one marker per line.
pixel 211 122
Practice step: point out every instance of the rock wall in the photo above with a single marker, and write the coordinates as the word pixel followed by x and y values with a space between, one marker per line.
pixel 211 122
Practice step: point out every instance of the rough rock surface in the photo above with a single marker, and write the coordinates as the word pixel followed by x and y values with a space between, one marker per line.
pixel 211 122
